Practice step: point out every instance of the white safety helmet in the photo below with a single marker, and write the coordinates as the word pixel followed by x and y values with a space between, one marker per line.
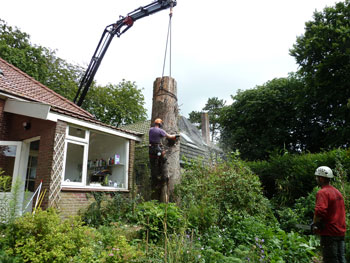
pixel 324 171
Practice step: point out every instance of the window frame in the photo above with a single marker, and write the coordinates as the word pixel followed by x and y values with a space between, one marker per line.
pixel 83 185
pixel 78 141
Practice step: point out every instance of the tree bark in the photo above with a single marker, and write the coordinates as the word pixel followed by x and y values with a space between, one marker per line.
pixel 165 107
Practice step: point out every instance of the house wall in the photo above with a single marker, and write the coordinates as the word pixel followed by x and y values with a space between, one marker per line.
pixel 50 160
pixel 46 131
pixel 72 202
pixel 3 121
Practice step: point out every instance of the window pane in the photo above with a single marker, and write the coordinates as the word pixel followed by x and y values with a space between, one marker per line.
pixel 106 161
pixel 76 132
pixel 31 173
pixel 7 164
pixel 74 163
pixel 32 166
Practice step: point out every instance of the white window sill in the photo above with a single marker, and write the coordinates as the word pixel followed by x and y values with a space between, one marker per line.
pixel 92 189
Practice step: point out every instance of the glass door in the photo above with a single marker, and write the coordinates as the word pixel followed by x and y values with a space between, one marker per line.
pixel 10 179
pixel 31 175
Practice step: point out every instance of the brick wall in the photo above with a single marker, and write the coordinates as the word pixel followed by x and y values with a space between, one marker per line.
pixel 73 202
pixel 46 131
pixel 3 121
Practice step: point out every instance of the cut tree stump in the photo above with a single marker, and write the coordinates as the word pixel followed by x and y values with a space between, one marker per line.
pixel 166 175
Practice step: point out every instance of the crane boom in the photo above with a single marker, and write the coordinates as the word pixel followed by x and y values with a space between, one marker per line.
pixel 118 28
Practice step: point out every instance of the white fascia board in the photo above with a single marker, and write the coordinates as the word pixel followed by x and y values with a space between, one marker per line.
pixel 10 96
pixel 55 117
pixel 26 108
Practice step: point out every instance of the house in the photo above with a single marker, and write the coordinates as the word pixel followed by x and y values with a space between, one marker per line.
pixel 47 140
pixel 193 146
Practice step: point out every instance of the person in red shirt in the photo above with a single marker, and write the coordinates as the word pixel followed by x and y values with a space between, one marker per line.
pixel 329 218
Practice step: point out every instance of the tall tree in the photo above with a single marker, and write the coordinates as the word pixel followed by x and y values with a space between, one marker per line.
pixel 39 62
pixel 323 54
pixel 263 120
pixel 116 104
pixel 112 104
pixel 213 107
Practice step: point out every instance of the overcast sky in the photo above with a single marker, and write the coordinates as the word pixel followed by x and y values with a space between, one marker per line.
pixel 218 46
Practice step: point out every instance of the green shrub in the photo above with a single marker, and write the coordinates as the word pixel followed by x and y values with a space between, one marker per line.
pixel 5 181
pixel 207 193
pixel 43 237
pixel 108 208
pixel 9 203
pixel 153 216
pixel 5 258
pixel 301 213
pixel 289 177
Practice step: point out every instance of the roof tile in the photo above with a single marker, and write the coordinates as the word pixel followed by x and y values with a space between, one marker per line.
pixel 15 82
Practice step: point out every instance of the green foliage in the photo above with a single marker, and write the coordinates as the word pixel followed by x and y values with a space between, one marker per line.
pixel 107 209
pixel 112 104
pixel 116 105
pixel 44 237
pixel 248 238
pixel 5 258
pixel 5 181
pixel 213 107
pixel 209 193
pixel 263 119
pixel 307 111
pixel 39 62
pixel 10 205
pixel 323 56
pixel 301 213
pixel 289 177
pixel 154 216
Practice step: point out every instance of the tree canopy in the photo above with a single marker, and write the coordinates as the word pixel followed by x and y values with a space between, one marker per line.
pixel 308 111
pixel 263 119
pixel 213 107
pixel 39 62
pixel 116 104
pixel 113 104
pixel 323 55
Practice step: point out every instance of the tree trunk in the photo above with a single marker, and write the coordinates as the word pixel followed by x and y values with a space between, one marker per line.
pixel 167 174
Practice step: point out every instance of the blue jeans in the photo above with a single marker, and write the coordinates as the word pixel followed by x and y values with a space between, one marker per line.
pixel 333 249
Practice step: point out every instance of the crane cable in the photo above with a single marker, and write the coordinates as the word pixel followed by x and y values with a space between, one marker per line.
pixel 168 43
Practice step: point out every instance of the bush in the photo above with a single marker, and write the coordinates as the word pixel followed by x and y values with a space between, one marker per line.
pixel 5 181
pixel 301 213
pixel 153 216
pixel 289 177
pixel 108 208
pixel 207 194
pixel 43 237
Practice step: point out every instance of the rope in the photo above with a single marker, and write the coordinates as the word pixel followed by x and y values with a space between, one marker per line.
pixel 168 43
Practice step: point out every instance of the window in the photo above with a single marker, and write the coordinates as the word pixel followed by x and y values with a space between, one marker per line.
pixel 95 160
pixel 74 162
pixel 32 166
pixel 76 132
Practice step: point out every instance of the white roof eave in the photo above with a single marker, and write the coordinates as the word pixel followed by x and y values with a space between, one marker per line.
pixel 43 111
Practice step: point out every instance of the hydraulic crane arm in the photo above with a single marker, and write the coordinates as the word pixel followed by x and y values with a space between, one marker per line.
pixel 118 28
